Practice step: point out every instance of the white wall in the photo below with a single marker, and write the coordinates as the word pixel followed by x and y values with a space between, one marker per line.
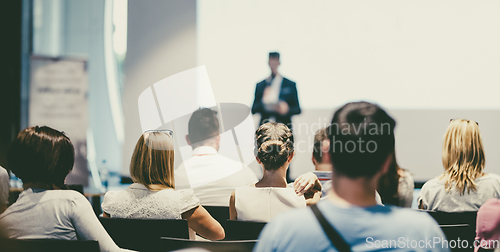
pixel 161 42
pixel 426 62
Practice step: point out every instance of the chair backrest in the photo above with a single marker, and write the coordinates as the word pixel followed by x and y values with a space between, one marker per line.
pixel 453 218
pixel 457 234
pixel 170 244
pixel 220 213
pixel 143 235
pixel 43 245
pixel 243 230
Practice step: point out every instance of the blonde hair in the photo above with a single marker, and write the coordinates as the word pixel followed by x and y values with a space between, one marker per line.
pixel 463 155
pixel 153 160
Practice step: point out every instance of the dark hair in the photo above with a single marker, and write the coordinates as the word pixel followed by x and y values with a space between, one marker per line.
pixel 274 55
pixel 203 125
pixel 388 184
pixel 319 137
pixel 274 144
pixel 41 154
pixel 365 134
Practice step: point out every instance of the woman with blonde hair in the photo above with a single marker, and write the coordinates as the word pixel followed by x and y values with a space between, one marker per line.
pixel 463 186
pixel 153 194
pixel 272 195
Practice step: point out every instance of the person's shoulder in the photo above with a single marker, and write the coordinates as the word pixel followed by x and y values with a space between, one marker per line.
pixel 288 81
pixel 432 183
pixel 184 193
pixel 492 176
pixel 260 83
pixel 111 195
pixel 71 196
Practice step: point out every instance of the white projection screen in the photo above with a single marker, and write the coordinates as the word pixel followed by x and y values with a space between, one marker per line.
pixel 424 61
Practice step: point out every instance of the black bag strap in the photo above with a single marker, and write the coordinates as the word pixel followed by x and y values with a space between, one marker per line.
pixel 337 241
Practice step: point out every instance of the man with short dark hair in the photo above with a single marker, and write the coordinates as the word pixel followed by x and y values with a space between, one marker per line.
pixel 276 97
pixel 361 144
pixel 212 176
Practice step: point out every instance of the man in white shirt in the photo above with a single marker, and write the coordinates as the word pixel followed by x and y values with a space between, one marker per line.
pixel 212 176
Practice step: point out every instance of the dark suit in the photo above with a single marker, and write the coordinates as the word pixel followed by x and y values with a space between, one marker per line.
pixel 288 93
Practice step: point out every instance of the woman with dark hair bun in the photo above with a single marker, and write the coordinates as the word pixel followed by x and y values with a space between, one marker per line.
pixel 42 157
pixel 272 195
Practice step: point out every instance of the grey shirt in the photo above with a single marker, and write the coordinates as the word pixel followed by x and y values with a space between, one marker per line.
pixel 54 214
pixel 433 195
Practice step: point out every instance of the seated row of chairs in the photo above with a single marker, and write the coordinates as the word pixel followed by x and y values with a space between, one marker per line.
pixel 151 235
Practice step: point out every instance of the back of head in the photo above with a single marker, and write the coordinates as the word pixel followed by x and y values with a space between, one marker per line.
pixel 463 154
pixel 41 155
pixel 319 138
pixel 153 160
pixel 202 126
pixel 274 144
pixel 361 139
pixel 275 55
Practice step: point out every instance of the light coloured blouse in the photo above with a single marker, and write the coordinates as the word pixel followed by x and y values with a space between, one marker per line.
pixel 54 214
pixel 137 202
pixel 263 203
pixel 433 195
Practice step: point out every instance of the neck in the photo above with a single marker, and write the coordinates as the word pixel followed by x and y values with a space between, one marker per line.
pixel 39 185
pixel 215 146
pixel 323 167
pixel 275 178
pixel 358 191
pixel 158 187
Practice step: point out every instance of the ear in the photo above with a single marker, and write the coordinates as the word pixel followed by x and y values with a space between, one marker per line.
pixel 314 161
pixel 187 139
pixel 217 139
pixel 258 160
pixel 325 149
pixel 290 157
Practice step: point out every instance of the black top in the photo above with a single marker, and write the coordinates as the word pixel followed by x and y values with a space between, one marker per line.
pixel 288 94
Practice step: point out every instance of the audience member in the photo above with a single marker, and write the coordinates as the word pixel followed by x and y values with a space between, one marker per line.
pixel 463 186
pixel 4 189
pixel 323 165
pixel 361 146
pixel 271 195
pixel 396 186
pixel 488 225
pixel 212 176
pixel 153 194
pixel 42 157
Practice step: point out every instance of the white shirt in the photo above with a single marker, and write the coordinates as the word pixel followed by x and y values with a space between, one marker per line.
pixel 272 93
pixel 212 176
pixel 263 203
pixel 54 214
pixel 138 202
pixel 4 186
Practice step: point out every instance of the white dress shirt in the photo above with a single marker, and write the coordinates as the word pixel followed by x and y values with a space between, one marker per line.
pixel 212 176
pixel 272 93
